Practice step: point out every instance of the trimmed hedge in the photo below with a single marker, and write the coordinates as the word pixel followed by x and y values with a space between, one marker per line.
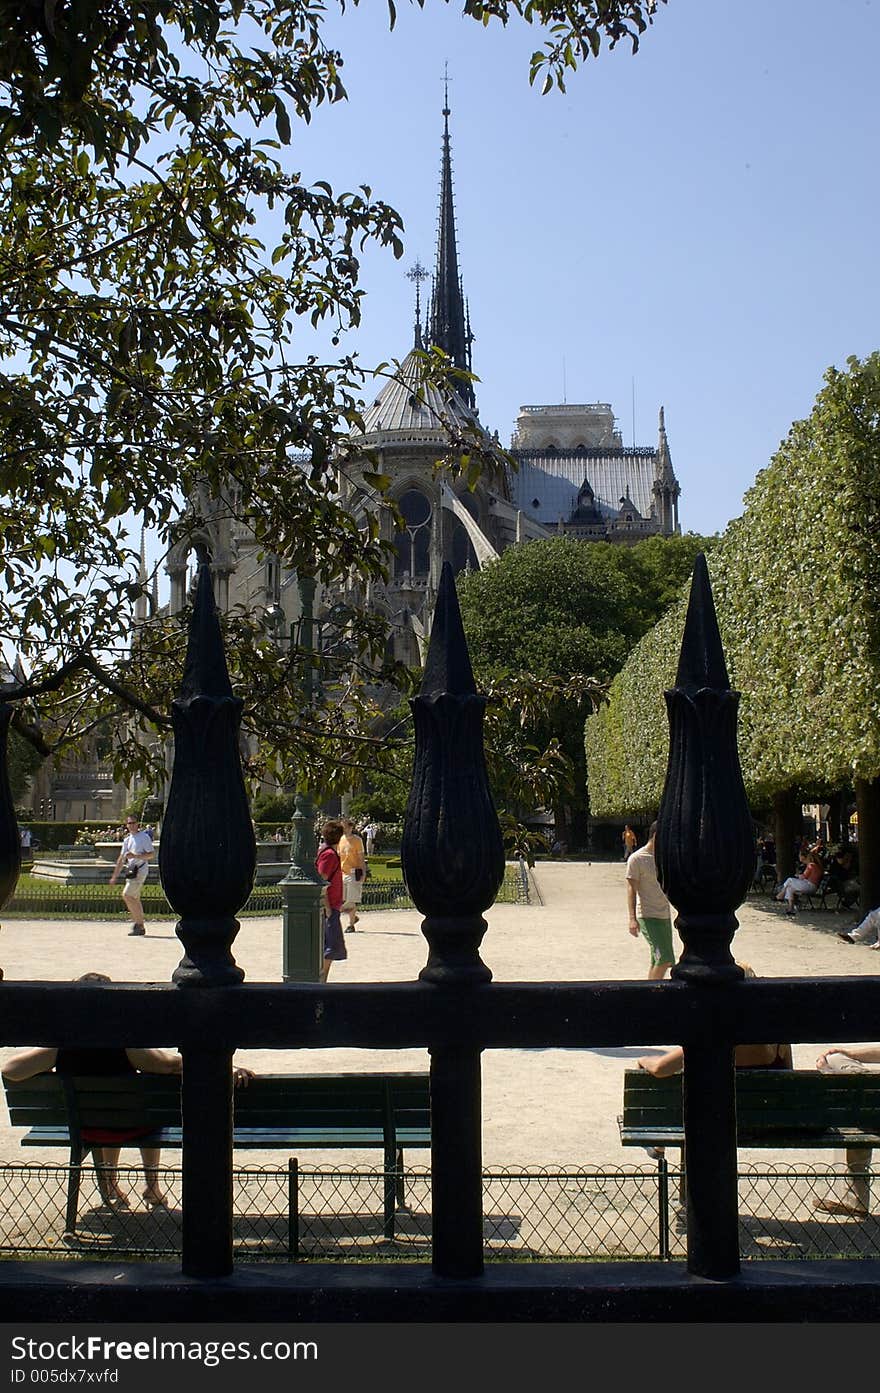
pixel 796 582
pixel 33 899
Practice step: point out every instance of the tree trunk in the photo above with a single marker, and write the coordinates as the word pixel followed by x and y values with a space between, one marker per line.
pixel 786 831
pixel 868 809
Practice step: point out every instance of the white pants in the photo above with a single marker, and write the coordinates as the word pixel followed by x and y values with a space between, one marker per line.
pixel 795 885
pixel 869 928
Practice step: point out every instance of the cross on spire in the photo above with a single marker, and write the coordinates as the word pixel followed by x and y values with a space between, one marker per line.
pixel 417 274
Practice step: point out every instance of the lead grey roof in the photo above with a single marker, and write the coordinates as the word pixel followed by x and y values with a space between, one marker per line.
pixel 406 404
pixel 546 486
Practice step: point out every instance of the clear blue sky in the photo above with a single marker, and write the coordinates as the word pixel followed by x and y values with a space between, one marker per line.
pixel 700 218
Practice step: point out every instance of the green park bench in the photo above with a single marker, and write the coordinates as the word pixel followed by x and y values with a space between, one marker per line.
pixel 273 1112
pixel 775 1108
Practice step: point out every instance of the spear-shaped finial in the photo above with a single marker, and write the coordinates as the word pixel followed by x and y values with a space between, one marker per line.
pixel 701 660
pixel 448 664
pixel 204 672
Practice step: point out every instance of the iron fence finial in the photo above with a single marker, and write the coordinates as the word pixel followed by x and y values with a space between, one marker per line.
pixel 705 845
pixel 207 854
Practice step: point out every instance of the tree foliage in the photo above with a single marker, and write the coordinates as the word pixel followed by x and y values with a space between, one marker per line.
pixel 796 582
pixel 162 269
pixel 561 616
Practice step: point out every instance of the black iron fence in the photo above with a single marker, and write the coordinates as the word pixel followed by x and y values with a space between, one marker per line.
pixel 453 862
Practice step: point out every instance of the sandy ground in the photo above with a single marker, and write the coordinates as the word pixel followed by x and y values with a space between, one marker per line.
pixel 540 1107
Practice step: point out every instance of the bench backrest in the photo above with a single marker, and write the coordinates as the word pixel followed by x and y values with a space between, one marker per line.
pixel 272 1100
pixel 120 1101
pixel 767 1100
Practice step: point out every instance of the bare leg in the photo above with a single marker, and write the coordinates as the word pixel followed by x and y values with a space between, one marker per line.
pixel 657 971
pixel 150 1157
pixel 106 1161
pixel 135 908
pixel 325 969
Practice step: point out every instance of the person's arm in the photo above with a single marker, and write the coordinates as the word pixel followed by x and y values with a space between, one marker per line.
pixel 155 1061
pixel 865 1054
pixel 30 1062
pixel 150 1061
pixel 631 906
pixel 663 1065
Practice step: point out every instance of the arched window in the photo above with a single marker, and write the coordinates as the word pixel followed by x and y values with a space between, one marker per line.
pixel 413 543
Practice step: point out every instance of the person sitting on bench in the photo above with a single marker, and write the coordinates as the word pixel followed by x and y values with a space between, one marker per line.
pixel 804 884
pixel 744 1057
pixel 106 1143
pixel 850 1059
pixel 864 932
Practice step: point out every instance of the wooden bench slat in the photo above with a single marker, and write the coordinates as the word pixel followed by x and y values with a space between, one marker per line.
pixel 270 1112
pixel 790 1109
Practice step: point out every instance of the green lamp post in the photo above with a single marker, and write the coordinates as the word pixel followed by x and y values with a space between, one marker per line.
pixel 302 932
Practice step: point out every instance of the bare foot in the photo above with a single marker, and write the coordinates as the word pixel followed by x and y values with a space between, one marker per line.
pixel 155 1199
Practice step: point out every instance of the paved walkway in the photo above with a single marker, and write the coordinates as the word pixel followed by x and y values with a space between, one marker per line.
pixel 541 1107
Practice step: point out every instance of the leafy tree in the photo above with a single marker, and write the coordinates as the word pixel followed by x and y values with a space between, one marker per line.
pixel 796 582
pixel 151 340
pixel 561 615
pixel 24 761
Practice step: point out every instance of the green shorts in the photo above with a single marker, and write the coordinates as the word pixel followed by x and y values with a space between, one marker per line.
pixel 658 935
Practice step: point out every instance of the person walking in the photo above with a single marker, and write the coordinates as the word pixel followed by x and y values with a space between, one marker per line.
pixel 630 842
pixel 354 868
pixel 653 917
pixel 133 863
pixel 329 867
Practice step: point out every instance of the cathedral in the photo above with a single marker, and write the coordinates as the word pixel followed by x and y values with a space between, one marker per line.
pixel 573 477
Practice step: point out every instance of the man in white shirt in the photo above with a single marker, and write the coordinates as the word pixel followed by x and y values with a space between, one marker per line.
pixel 653 920
pixel 133 863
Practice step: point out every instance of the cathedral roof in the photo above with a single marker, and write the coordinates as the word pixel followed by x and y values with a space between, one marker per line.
pixel 405 403
pixel 546 486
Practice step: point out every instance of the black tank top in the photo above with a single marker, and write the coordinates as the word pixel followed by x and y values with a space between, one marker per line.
pixel 99 1063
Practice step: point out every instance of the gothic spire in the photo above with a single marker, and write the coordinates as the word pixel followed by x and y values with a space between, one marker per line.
pixel 665 471
pixel 448 325
pixel 140 604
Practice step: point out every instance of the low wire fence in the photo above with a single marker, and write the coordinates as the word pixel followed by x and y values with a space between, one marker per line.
pixel 101 901
pixel 337 1215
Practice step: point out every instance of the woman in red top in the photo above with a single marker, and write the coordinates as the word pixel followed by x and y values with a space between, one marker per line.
pixel 803 884
pixel 329 866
